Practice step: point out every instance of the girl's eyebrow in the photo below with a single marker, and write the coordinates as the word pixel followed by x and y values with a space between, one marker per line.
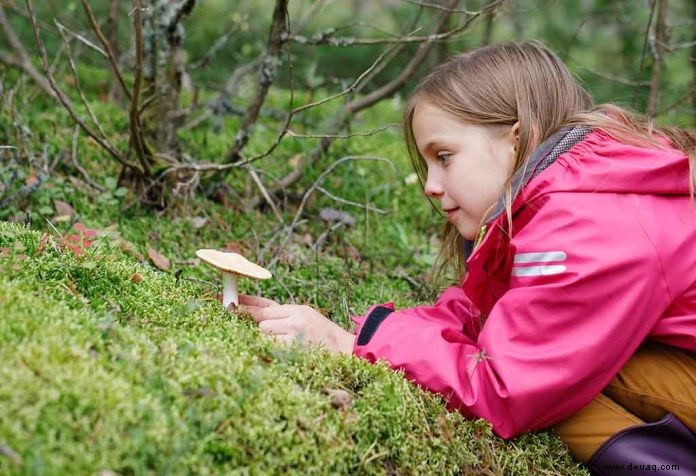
pixel 433 144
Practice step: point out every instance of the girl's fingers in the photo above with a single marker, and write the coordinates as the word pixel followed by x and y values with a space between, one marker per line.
pixel 274 327
pixel 256 301
pixel 260 314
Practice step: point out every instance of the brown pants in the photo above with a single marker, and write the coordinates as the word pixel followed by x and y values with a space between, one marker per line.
pixel 656 380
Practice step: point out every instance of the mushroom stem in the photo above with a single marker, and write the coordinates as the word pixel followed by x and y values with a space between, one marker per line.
pixel 229 290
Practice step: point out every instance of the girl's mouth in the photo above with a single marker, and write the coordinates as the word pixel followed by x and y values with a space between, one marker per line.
pixel 450 211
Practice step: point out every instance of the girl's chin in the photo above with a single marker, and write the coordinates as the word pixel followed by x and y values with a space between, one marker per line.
pixel 468 232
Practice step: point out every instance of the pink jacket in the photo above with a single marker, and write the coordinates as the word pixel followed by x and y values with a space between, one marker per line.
pixel 602 256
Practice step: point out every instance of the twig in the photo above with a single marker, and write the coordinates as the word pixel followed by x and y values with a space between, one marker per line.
pixel 22 61
pixel 64 100
pixel 660 39
pixel 375 96
pixel 80 38
pixel 435 6
pixel 616 79
pixel 268 72
pixel 311 189
pixel 326 39
pixel 342 136
pixel 107 47
pixel 76 163
pixel 265 194
pixel 645 46
pixel 76 77
pixel 136 138
pixel 352 203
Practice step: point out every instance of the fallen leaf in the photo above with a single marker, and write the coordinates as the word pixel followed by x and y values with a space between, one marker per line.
pixel 304 239
pixel 331 215
pixel 63 208
pixel 339 398
pixel 198 222
pixel 158 259
pixel 10 454
pixel 31 179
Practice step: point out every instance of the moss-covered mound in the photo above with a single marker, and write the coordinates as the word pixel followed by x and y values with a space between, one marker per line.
pixel 108 365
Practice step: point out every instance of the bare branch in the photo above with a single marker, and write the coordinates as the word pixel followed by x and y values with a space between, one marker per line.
pixel 136 138
pixel 269 67
pixel 616 79
pixel 76 77
pixel 660 39
pixel 653 3
pixel 442 8
pixel 311 189
pixel 22 60
pixel 361 103
pixel 372 132
pixel 326 38
pixel 107 47
pixel 76 162
pixel 64 100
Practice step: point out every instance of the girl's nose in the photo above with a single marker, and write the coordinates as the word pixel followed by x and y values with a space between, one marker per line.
pixel 433 187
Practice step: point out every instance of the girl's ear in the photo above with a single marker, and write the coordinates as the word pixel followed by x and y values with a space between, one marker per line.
pixel 515 134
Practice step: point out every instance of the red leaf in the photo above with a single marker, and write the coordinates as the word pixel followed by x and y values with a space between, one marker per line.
pixel 79 227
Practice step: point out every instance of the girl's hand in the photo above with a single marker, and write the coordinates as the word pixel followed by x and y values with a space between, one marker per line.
pixel 287 322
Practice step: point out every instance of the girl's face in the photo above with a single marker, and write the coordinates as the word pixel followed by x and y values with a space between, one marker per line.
pixel 468 164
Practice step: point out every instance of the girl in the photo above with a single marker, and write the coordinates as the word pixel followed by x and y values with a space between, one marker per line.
pixel 574 230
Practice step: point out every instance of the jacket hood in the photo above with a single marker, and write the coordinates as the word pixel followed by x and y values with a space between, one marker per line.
pixel 594 162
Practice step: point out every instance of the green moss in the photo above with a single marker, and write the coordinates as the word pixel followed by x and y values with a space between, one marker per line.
pixel 101 372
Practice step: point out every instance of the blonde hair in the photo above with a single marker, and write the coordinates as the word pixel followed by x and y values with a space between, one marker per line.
pixel 500 85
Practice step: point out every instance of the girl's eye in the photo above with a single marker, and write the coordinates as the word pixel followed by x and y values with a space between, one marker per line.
pixel 442 156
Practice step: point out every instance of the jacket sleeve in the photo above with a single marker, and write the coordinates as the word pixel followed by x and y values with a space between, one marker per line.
pixel 558 335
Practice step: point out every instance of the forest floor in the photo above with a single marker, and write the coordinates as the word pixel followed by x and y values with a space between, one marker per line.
pixel 117 356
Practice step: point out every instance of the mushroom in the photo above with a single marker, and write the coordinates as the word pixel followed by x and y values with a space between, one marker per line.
pixel 231 265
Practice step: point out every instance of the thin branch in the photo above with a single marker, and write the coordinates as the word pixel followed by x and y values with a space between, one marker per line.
pixel 310 190
pixel 327 39
pixel 136 138
pixel 338 199
pixel 689 94
pixel 616 79
pixel 76 77
pixel 64 100
pixel 264 192
pixel 288 119
pixel 107 47
pixel 79 37
pixel 76 162
pixel 269 68
pixel 22 60
pixel 653 3
pixel 660 39
pixel 372 132
pixel 435 6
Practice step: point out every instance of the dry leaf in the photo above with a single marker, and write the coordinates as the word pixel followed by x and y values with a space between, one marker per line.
pixel 340 398
pixel 63 208
pixel 31 179
pixel 10 454
pixel 198 222
pixel 158 259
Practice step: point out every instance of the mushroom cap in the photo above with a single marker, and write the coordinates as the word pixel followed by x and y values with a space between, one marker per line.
pixel 233 263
